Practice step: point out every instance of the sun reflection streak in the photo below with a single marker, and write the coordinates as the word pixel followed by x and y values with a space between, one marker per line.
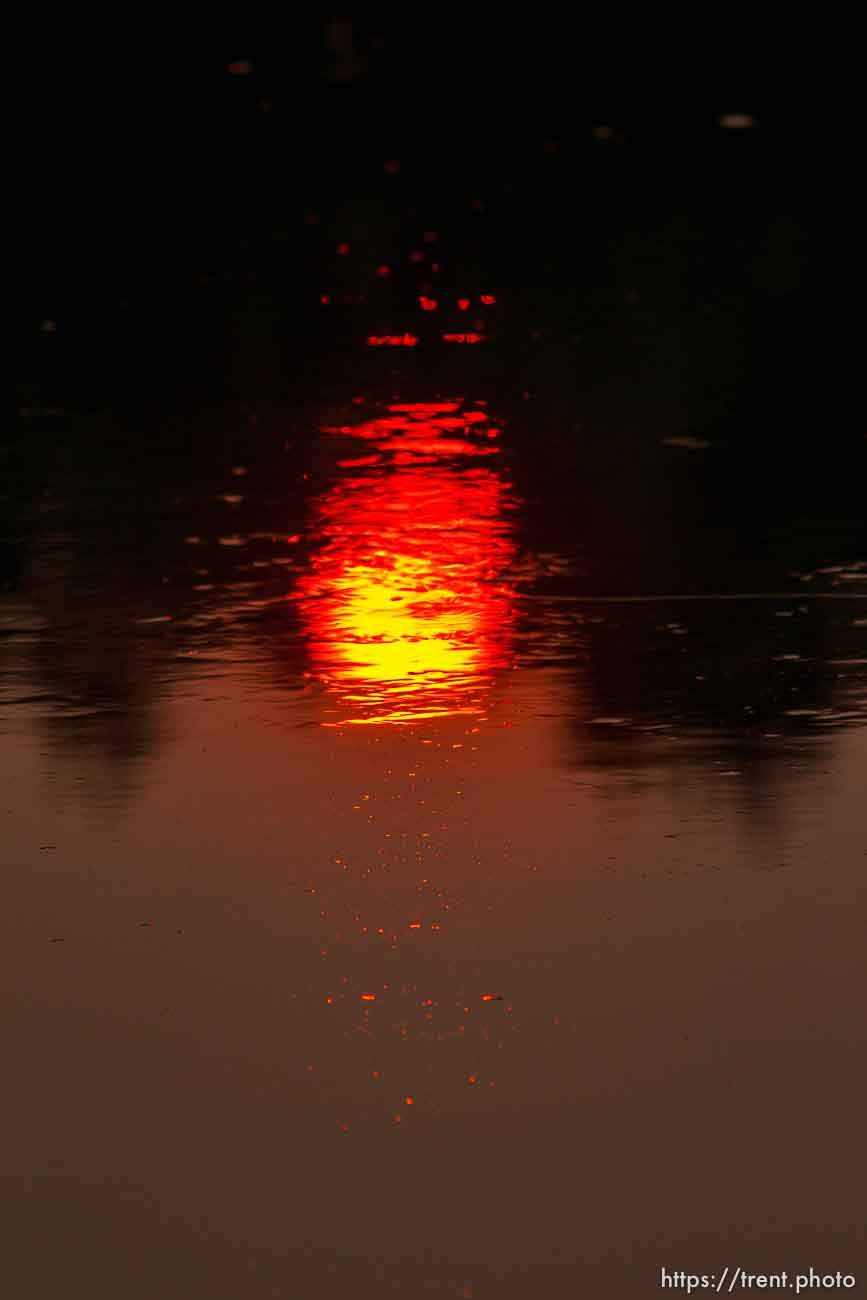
pixel 407 611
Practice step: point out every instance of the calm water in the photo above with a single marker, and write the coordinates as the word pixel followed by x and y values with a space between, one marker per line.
pixel 434 846
pixel 432 772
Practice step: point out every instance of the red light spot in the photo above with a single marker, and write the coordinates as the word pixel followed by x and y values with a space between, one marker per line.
pixel 392 166
pixel 430 236
pixel 296 537
pixel 356 461
pixel 242 68
pixel 344 1127
pixel 342 249
pixel 462 338
pixel 488 298
pixel 368 997
pixel 464 304
pixel 492 997
pixel 416 255
pixel 435 267
pixel 428 304
pixel 330 1000
pixel 374 1074
pixel 424 410
pixel 415 925
pixel 325 299
pixel 472 1078
pixel 392 340
pixel 383 272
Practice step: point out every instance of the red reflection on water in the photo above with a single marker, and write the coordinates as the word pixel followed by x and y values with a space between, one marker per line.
pixel 392 340
pixel 407 613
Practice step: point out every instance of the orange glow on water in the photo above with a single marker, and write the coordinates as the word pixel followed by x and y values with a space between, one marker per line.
pixel 407 612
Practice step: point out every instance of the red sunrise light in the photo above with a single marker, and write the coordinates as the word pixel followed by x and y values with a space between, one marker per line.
pixel 407 614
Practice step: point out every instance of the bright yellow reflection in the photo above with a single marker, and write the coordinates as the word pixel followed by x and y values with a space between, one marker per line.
pixel 407 614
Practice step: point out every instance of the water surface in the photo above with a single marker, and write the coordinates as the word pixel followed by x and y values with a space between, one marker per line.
pixel 433 832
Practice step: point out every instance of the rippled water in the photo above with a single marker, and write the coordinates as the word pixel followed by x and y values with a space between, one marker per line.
pixel 435 850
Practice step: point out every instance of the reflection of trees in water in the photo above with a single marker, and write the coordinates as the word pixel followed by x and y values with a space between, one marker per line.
pixel 98 556
pixel 700 692
pixel 695 683
pixel 94 671
pixel 109 550
pixel 705 665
